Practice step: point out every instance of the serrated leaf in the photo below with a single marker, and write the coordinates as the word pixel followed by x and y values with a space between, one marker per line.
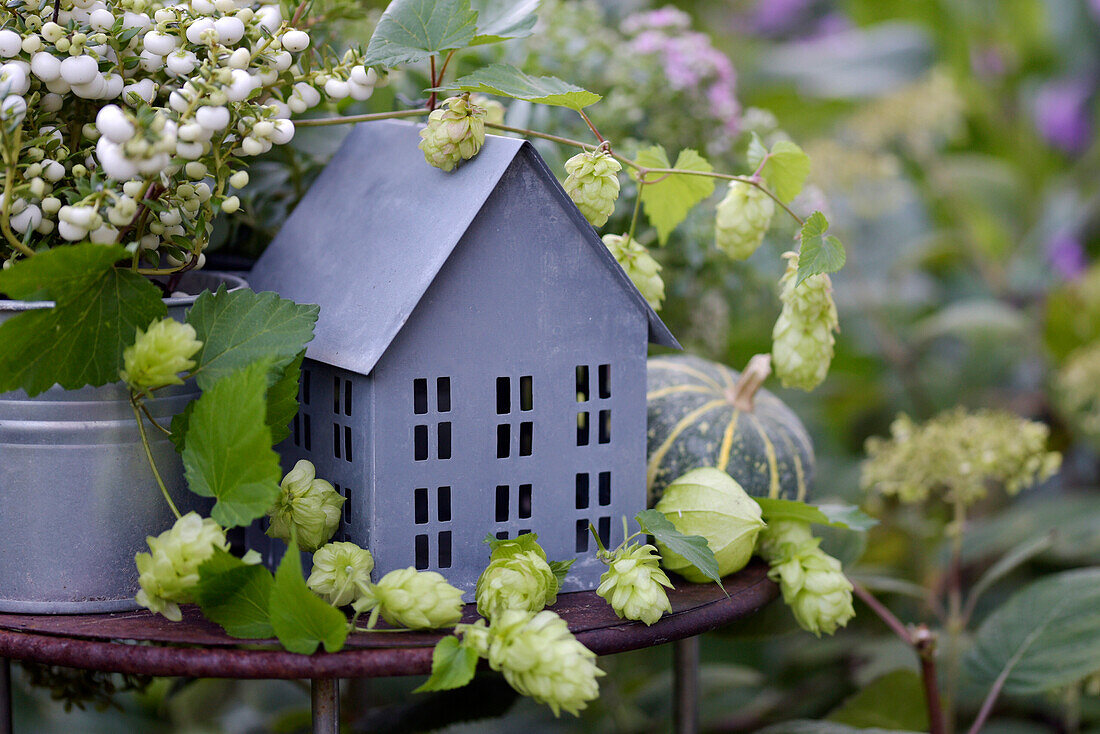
pixel 282 399
pixel 508 81
pixel 412 30
pixel 236 596
pixel 98 310
pixel 561 569
pixel 500 20
pixel 693 548
pixel 239 327
pixel 1045 636
pixel 820 253
pixel 227 450
pixel 668 200
pixel 453 666
pixel 893 701
pixel 785 168
pixel 522 543
pixel 838 516
pixel 180 423
pixel 302 620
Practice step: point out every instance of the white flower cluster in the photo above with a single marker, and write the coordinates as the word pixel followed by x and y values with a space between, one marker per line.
pixel 128 120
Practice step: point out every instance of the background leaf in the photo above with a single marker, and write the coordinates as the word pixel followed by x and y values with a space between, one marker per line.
pixel 98 310
pixel 302 620
pixel 839 516
pixel 508 81
pixel 561 569
pixel 227 450
pixel 806 726
pixel 499 20
pixel 785 169
pixel 893 701
pixel 693 548
pixel 820 253
pixel 412 30
pixel 235 595
pixel 1047 635
pixel 668 201
pixel 282 399
pixel 453 666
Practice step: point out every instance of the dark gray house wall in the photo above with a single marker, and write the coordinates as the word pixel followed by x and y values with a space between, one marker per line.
pixel 477 413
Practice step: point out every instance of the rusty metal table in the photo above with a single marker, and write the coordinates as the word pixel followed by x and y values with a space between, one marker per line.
pixel 147 644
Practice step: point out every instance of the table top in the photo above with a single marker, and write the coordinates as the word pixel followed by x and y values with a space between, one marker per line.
pixel 146 643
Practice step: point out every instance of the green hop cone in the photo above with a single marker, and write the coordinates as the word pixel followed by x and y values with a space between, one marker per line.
pixel 802 340
pixel 413 599
pixel 158 355
pixel 593 185
pixel 455 132
pixel 515 580
pixel 308 505
pixel 742 219
pixel 639 265
pixel 813 584
pixel 341 573
pixel 634 584
pixel 170 570
pixel 541 658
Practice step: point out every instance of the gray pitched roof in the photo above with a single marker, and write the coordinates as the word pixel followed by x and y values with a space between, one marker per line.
pixel 406 218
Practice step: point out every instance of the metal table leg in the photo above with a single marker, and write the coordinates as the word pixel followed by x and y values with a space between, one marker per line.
pixel 685 706
pixel 325 705
pixel 5 697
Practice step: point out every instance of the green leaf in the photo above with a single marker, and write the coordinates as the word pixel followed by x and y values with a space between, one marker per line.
pixel 668 200
pixel 820 253
pixel 693 548
pixel 453 666
pixel 893 701
pixel 235 595
pixel 785 169
pixel 227 448
pixel 499 20
pixel 508 81
pixel 282 399
pixel 1046 636
pixel 180 423
pixel 808 726
pixel 98 310
pixel 1007 563
pixel 522 543
pixel 412 30
pixel 561 569
pixel 838 516
pixel 239 327
pixel 300 618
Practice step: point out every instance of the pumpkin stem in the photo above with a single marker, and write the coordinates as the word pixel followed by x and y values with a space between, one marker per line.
pixel 743 394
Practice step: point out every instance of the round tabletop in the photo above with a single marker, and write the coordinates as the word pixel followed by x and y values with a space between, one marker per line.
pixel 148 644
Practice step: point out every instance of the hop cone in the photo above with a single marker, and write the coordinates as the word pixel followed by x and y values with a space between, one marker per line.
pixel 802 340
pixel 413 599
pixel 742 219
pixel 341 573
pixel 308 504
pixel 639 265
pixel 813 584
pixel 521 580
pixel 159 354
pixel 541 658
pixel 494 109
pixel 634 584
pixel 593 185
pixel 455 132
pixel 169 572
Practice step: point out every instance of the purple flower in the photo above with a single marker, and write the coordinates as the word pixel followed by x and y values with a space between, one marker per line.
pixel 774 17
pixel 1062 115
pixel 666 17
pixel 1066 255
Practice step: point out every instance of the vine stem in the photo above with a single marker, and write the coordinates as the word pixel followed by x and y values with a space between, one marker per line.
pixel 954 622
pixel 349 119
pixel 9 187
pixel 149 456
pixel 637 209
pixel 923 643
pixel 431 97
pixel 592 127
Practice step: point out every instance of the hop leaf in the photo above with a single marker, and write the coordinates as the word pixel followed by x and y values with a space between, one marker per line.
pixel 643 270
pixel 159 354
pixel 593 185
pixel 517 577
pixel 307 507
pixel 413 599
pixel 170 571
pixel 341 573
pixel 802 340
pixel 455 132
pixel 813 584
pixel 742 219
pixel 634 584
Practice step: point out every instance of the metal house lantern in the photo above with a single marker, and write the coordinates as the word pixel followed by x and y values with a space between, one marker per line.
pixel 479 365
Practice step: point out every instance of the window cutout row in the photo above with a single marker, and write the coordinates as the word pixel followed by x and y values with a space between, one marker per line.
pixel 504 394
pixel 584 490
pixel 341 442
pixel 422 558
pixel 341 396
pixel 584 535
pixel 503 502
pixel 585 389
pixel 603 427
pixel 442 395
pixel 300 430
pixel 442 441
pixel 526 439
pixel 421 505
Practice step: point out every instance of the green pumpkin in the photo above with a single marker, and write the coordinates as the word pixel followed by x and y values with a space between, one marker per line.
pixel 702 413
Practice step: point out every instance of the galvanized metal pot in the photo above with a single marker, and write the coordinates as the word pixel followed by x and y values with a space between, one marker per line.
pixel 77 496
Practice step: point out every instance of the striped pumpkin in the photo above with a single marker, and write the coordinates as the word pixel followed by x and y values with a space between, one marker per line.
pixel 702 413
